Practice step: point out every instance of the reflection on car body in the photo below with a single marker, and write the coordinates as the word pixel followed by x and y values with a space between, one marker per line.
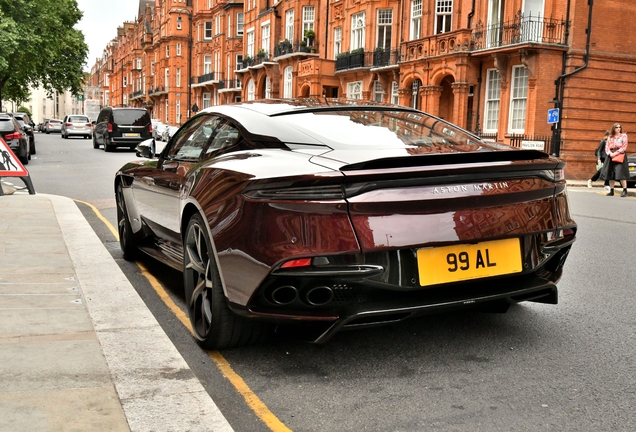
pixel 340 215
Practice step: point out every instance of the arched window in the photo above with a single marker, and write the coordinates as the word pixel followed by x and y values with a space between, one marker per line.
pixel 250 90
pixel 287 85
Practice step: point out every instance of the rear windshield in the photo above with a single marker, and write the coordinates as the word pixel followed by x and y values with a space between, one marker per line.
pixel 6 125
pixel 55 121
pixel 78 119
pixel 131 117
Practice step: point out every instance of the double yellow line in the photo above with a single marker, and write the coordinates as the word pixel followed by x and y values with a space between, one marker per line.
pixel 253 401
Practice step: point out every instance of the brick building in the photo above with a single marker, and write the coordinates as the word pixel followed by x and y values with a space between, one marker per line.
pixel 494 67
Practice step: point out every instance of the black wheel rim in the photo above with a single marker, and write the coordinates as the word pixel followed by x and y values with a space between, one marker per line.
pixel 199 278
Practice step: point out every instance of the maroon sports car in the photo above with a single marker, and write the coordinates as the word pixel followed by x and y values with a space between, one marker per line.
pixel 342 214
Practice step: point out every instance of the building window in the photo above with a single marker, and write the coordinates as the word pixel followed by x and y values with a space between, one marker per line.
pixel 518 97
pixel 207 64
pixel 178 111
pixel 265 32
pixel 337 42
pixel 217 24
pixel 167 108
pixel 287 83
pixel 250 90
pixel 206 100
pixel 416 19
pixel 208 30
pixel 357 30
pixel 268 88
pixel 239 24
pixel 443 16
pixel 309 13
pixel 229 25
pixel 250 43
pixel 138 62
pixel 378 91
pixel 167 51
pixel 354 90
pixel 395 96
pixel 125 83
pixel 179 49
pixel 289 25
pixel 384 28
pixel 179 21
pixel 178 77
pixel 491 108
pixel 415 94
pixel 167 77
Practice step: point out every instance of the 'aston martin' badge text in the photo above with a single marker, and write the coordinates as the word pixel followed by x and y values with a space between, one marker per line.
pixel 475 187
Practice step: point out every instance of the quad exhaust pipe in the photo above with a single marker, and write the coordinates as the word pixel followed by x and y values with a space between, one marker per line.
pixel 284 295
pixel 319 296
pixel 287 294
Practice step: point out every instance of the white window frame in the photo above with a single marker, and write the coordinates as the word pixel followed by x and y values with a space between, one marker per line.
pixel 167 109
pixel 287 82
pixel 239 23
pixel 207 64
pixel 309 16
pixel 178 49
pixel 167 78
pixel 249 50
pixel 518 99
pixel 179 23
pixel 206 100
pixel 178 77
pixel 265 36
pixel 251 90
pixel 289 25
pixel 268 88
pixel 354 90
pixel 378 91
pixel 395 95
pixel 443 13
pixel 384 29
pixel 337 41
pixel 492 101
pixel 139 63
pixel 207 32
pixel 178 111
pixel 416 19
pixel 358 24
pixel 167 51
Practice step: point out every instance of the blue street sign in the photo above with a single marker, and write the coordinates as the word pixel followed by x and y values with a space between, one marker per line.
pixel 553 115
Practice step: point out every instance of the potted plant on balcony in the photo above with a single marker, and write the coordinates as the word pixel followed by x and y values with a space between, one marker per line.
pixel 285 46
pixel 247 60
pixel 309 36
pixel 303 46
pixel 261 54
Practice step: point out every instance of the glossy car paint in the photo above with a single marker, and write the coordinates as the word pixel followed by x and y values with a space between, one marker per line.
pixel 393 202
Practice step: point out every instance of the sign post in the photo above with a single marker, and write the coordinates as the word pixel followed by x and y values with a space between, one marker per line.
pixel 10 166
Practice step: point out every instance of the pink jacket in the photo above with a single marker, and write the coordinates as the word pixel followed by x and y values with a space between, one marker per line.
pixel 615 145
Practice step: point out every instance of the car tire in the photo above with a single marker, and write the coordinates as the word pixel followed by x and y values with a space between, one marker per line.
pixel 126 238
pixel 33 148
pixel 214 325
pixel 47 132
pixel 108 147
pixel 24 159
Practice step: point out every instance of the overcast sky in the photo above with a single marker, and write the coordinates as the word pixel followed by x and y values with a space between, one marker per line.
pixel 100 22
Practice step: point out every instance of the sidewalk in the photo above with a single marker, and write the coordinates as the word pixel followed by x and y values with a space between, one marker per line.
pixel 79 350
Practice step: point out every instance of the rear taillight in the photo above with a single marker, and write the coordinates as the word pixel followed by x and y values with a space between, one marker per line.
pixel 110 127
pixel 295 263
pixel 15 135
pixel 88 124
pixel 69 124
pixel 149 128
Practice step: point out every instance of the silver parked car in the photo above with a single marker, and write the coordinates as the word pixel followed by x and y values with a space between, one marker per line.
pixel 53 125
pixel 77 125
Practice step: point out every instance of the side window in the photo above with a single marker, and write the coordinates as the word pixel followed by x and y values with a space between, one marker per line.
pixel 226 135
pixel 189 142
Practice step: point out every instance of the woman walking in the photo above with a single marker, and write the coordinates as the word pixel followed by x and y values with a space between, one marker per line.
pixel 616 166
pixel 600 160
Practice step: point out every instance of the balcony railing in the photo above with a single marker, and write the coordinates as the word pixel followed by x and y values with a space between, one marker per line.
pixel 210 76
pixel 229 84
pixel 383 58
pixel 291 47
pixel 522 29
pixel 354 59
pixel 436 45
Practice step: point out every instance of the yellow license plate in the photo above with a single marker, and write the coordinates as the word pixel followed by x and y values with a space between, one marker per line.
pixel 468 261
pixel 131 134
pixel 631 168
pixel 79 127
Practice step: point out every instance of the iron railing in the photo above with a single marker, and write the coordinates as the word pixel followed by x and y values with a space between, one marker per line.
pixel 297 46
pixel 229 84
pixel 521 29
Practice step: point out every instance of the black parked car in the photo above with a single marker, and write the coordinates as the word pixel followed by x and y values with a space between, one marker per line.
pixel 15 137
pixel 28 126
pixel 121 127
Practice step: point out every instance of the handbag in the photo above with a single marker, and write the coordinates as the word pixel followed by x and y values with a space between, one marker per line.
pixel 619 158
pixel 599 166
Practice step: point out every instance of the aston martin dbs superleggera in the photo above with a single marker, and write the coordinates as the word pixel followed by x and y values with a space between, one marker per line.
pixel 342 214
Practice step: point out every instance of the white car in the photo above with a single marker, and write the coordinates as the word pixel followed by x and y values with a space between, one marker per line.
pixel 169 132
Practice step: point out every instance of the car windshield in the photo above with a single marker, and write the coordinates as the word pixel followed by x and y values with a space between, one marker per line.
pixel 6 125
pixel 130 117
pixel 78 119
pixel 55 121
pixel 417 132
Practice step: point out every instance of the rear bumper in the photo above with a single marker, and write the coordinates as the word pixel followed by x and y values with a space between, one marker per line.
pixel 78 132
pixel 127 142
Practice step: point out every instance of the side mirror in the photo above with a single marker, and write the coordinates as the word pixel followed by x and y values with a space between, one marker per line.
pixel 146 149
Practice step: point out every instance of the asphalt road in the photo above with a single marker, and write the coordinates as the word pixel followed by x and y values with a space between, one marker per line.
pixel 569 367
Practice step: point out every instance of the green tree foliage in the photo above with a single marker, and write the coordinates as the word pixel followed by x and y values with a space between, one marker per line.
pixel 25 110
pixel 40 47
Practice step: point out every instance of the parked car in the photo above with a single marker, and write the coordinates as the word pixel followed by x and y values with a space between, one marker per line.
pixel 341 214
pixel 121 127
pixel 53 125
pixel 28 126
pixel 169 132
pixel 43 125
pixel 77 125
pixel 15 137
pixel 158 130
pixel 631 160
